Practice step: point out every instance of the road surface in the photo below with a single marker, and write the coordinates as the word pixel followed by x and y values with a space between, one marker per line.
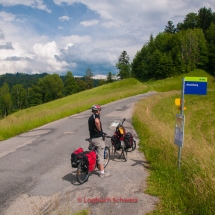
pixel 36 174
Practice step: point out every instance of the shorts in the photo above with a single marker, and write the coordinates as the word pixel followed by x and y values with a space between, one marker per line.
pixel 100 143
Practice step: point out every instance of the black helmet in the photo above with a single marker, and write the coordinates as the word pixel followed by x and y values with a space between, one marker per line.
pixel 96 107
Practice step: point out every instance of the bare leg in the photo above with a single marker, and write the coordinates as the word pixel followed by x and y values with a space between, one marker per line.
pixel 101 166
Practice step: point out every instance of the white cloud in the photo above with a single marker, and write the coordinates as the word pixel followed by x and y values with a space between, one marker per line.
pixel 39 4
pixel 7 17
pixel 64 18
pixel 76 39
pixel 90 22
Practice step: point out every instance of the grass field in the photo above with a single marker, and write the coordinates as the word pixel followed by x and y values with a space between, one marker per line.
pixel 192 189
pixel 188 191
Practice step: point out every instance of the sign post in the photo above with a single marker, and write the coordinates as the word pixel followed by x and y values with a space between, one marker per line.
pixel 179 128
pixel 193 86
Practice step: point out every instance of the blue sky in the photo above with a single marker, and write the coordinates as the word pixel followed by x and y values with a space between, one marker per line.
pixel 56 36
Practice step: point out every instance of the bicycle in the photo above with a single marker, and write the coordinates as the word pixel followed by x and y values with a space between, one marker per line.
pixel 118 141
pixel 83 172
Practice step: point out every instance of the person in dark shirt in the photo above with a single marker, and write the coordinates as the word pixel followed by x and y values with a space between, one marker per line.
pixel 96 134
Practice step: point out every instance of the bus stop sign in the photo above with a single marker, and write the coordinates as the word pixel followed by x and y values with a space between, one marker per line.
pixel 195 85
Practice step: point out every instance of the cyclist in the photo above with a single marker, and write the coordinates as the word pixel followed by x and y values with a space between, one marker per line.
pixel 97 136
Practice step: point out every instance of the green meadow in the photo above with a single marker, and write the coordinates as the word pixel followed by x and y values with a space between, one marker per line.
pixel 190 190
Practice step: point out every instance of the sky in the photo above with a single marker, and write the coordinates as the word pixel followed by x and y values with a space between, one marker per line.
pixel 56 36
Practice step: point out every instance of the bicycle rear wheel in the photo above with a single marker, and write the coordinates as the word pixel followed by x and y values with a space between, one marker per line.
pixel 133 146
pixel 82 173
pixel 106 157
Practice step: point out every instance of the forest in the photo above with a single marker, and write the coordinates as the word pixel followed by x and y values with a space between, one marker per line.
pixel 19 91
pixel 178 49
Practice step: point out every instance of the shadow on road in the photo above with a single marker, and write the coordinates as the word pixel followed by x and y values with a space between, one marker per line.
pixel 145 164
pixel 71 177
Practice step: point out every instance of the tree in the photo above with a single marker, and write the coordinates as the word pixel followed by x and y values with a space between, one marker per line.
pixel 35 96
pixel 210 37
pixel 109 77
pixel 170 28
pixel 19 96
pixel 205 17
pixel 123 65
pixel 70 85
pixel 89 78
pixel 139 65
pixel 165 67
pixel 51 87
pixel 190 21
pixel 101 82
pixel 81 84
pixel 5 99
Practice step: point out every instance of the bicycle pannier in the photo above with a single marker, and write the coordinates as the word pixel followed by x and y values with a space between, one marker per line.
pixel 115 142
pixel 91 160
pixel 128 140
pixel 75 157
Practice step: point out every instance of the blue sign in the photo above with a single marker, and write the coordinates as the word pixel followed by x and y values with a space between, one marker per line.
pixel 195 85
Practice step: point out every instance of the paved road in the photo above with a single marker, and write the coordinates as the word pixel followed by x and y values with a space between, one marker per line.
pixel 36 173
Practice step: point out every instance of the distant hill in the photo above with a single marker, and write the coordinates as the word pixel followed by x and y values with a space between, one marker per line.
pixel 27 80
pixel 19 78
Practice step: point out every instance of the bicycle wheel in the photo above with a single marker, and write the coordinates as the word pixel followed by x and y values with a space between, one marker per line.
pixel 82 173
pixel 106 157
pixel 133 147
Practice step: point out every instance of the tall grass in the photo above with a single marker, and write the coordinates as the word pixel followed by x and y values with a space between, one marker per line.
pixel 192 189
pixel 30 118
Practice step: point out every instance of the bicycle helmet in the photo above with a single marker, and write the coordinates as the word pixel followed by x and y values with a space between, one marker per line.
pixel 96 107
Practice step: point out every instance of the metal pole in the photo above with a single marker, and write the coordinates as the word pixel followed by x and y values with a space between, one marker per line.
pixel 182 113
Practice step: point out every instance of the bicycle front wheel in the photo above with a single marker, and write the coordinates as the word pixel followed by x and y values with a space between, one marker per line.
pixel 82 173
pixel 106 157
pixel 133 146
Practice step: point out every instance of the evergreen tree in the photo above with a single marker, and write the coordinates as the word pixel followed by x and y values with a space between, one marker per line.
pixel 109 78
pixel 205 17
pixel 170 28
pixel 123 66
pixel 89 78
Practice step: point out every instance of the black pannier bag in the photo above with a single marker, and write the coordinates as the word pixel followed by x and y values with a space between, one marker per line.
pixel 128 140
pixel 75 157
pixel 115 142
